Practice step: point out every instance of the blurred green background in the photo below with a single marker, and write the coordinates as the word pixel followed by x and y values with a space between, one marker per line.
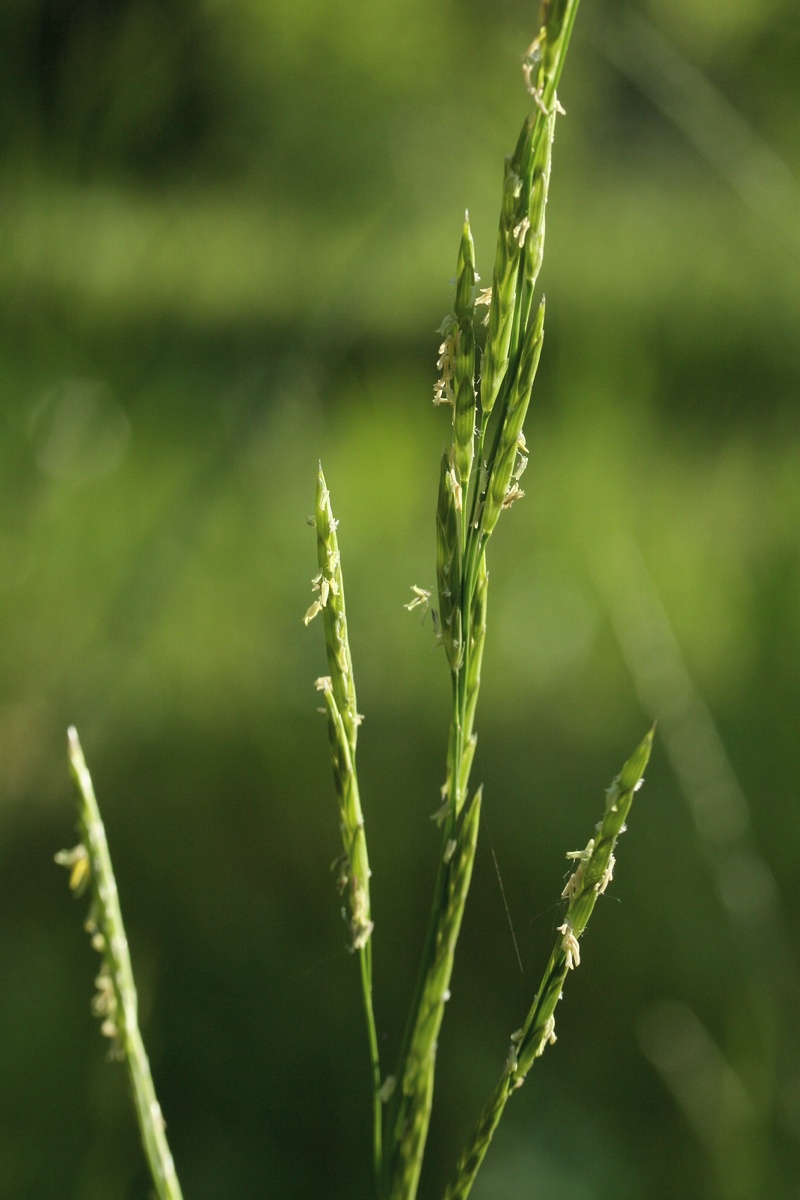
pixel 229 233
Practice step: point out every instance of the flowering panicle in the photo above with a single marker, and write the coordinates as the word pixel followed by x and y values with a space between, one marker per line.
pixel 485 376
pixel 338 691
pixel 339 695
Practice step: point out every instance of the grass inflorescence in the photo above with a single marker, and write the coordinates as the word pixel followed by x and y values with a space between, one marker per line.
pixel 115 1002
pixel 488 390
pixel 487 369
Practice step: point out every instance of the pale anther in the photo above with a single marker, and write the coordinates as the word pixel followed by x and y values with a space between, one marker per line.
pixel 569 944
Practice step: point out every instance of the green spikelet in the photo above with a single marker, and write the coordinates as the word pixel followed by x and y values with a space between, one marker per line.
pixel 464 360
pixel 448 561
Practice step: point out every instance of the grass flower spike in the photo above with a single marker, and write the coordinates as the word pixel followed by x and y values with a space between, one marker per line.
pixel 486 375
pixel 479 477
pixel 339 695
pixel 489 391
pixel 115 1002
pixel 587 883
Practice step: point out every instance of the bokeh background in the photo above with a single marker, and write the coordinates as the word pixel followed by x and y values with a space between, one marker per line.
pixel 229 234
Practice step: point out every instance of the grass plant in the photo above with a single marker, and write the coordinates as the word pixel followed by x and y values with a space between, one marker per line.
pixel 488 391
pixel 486 381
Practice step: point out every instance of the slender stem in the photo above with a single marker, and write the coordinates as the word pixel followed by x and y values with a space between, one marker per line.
pixel 408 1117
pixel 365 963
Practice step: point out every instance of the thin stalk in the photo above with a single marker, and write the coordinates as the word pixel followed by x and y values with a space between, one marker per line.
pixel 116 1000
pixel 365 964
pixel 408 1115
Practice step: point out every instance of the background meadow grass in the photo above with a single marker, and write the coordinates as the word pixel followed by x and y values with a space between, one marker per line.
pixel 229 236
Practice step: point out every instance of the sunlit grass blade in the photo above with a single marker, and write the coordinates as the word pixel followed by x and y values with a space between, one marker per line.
pixel 115 1002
